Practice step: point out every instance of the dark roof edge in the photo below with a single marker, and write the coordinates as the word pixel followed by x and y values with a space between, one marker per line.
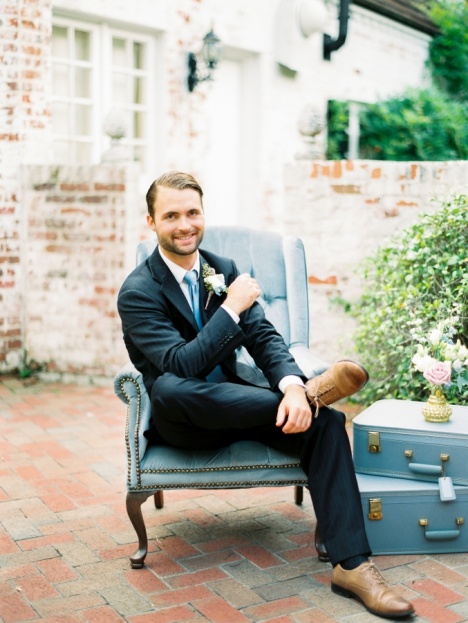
pixel 402 13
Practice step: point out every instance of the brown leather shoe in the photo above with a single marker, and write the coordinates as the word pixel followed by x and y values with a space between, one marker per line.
pixel 320 546
pixel 342 379
pixel 366 584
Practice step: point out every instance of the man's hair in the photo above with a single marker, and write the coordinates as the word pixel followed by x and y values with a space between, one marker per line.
pixel 172 179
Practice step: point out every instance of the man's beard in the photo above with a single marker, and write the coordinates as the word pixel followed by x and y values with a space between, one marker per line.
pixel 172 246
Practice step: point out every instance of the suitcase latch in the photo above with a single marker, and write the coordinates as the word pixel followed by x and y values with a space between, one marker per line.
pixel 373 441
pixel 375 509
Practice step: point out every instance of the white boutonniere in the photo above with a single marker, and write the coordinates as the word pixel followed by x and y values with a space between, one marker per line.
pixel 214 283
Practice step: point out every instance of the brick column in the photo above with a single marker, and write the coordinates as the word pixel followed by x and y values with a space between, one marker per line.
pixel 25 33
pixel 83 225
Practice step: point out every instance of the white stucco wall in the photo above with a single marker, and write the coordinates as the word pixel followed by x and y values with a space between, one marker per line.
pixel 380 58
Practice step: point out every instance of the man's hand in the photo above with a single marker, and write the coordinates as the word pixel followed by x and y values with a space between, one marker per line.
pixel 242 293
pixel 294 413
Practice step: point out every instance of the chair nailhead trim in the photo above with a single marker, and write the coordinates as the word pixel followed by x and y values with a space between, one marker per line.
pixel 137 428
pixel 217 469
pixel 222 485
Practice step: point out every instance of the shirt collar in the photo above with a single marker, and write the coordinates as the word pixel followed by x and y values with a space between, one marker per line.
pixel 178 271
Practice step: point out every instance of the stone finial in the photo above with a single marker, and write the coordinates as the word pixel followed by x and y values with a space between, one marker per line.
pixel 310 124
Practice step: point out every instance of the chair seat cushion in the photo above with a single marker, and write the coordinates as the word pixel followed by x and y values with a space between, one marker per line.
pixel 242 464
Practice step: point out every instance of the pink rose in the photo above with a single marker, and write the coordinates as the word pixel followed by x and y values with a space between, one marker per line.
pixel 439 373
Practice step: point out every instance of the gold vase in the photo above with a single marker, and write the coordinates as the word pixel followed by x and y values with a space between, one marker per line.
pixel 437 409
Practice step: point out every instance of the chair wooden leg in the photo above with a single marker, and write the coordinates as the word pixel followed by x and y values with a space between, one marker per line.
pixel 134 502
pixel 298 494
pixel 159 498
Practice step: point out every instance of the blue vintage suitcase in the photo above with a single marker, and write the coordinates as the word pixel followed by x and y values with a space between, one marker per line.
pixel 392 438
pixel 407 517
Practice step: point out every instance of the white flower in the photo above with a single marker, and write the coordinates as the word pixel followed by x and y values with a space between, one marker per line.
pixel 451 352
pixel 435 336
pixel 216 284
pixel 423 362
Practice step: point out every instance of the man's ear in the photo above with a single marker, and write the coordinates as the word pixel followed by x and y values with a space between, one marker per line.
pixel 150 221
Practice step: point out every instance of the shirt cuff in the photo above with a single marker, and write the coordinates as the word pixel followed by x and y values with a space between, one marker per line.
pixel 233 314
pixel 290 380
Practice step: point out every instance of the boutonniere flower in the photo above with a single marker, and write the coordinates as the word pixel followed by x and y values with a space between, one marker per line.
pixel 214 283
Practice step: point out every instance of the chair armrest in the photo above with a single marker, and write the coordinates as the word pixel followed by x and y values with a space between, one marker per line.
pixel 310 364
pixel 129 387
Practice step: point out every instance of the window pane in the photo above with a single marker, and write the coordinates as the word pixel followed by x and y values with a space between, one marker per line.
pixel 82 153
pixel 138 95
pixel 82 45
pixel 60 118
pixel 138 55
pixel 120 93
pixel 62 152
pixel 138 123
pixel 139 153
pixel 82 120
pixel 82 82
pixel 60 83
pixel 59 41
pixel 118 52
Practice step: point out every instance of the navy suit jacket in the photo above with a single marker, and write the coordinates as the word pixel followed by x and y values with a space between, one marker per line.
pixel 161 334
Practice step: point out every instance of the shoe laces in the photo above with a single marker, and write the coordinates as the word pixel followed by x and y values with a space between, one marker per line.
pixel 372 570
pixel 327 386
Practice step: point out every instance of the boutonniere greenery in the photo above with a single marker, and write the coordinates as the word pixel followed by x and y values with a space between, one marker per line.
pixel 214 283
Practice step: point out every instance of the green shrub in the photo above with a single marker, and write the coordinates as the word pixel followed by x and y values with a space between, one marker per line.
pixel 421 274
pixel 448 51
pixel 337 124
pixel 420 124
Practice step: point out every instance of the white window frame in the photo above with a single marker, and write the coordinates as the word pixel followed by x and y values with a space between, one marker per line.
pixel 102 35
pixel 69 98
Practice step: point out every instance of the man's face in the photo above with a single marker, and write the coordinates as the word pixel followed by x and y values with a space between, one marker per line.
pixel 179 224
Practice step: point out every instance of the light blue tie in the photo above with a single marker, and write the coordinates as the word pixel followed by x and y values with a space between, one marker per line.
pixel 217 375
pixel 191 279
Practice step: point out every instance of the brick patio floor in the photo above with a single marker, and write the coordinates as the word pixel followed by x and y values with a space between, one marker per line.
pixel 222 557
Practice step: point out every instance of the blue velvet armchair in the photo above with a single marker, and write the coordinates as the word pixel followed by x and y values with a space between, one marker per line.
pixel 278 264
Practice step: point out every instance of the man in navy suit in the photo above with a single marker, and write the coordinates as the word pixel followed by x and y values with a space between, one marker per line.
pixel 182 328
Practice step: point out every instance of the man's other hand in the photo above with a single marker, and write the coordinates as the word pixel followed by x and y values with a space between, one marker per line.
pixel 242 293
pixel 294 412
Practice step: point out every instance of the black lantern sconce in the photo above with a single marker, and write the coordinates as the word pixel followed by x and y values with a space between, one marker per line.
pixel 210 54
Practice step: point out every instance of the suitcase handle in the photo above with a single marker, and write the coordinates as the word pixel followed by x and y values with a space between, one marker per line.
pixel 441 535
pixel 422 468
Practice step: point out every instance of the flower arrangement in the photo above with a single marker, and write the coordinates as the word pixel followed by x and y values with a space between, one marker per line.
pixel 442 361
pixel 214 283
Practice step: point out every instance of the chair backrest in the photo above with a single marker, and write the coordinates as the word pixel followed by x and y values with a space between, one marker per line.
pixel 278 264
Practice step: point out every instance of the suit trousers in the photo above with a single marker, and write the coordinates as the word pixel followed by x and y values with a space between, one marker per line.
pixel 194 414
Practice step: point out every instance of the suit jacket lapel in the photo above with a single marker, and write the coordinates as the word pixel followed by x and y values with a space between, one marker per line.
pixel 208 308
pixel 170 289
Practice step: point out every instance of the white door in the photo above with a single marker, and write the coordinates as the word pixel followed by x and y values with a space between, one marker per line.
pixel 231 149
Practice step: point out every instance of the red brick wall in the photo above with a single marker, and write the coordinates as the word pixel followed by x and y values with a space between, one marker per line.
pixel 24 119
pixel 80 221
pixel 343 211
